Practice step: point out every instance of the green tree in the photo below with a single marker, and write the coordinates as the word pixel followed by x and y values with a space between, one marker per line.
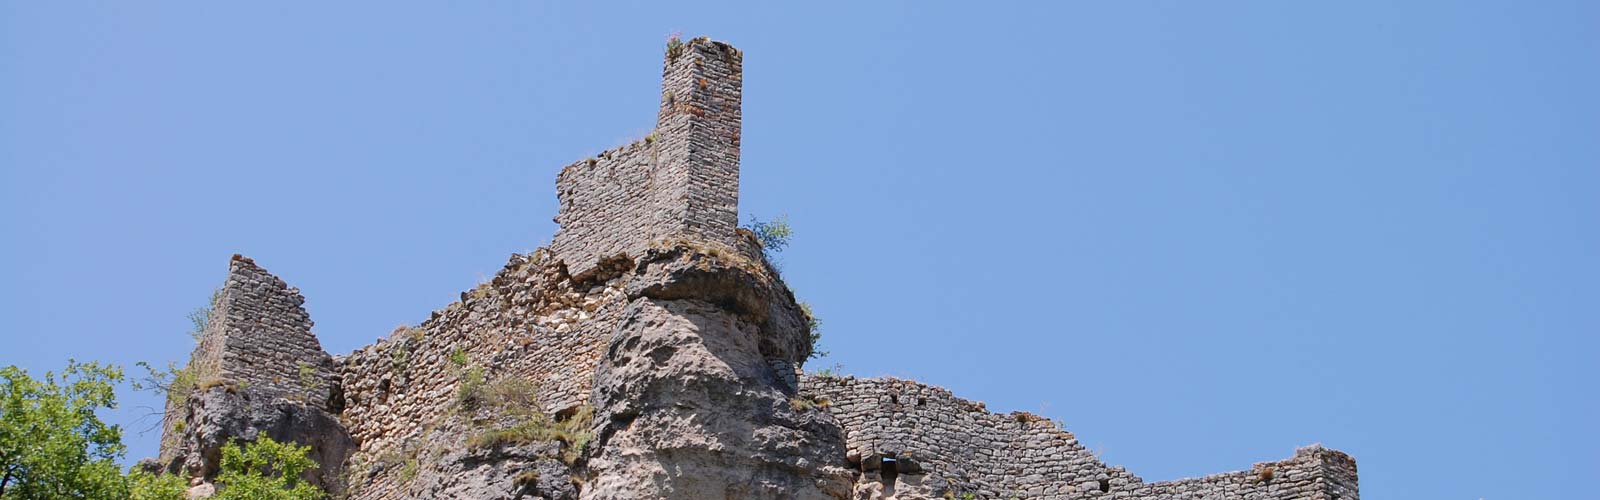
pixel 146 486
pixel 52 444
pixel 265 470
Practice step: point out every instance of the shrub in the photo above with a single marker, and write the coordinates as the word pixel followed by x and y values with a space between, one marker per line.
pixel 774 235
pixel 176 383
pixel 200 316
pixel 674 45
pixel 573 433
pixel 470 395
pixel 265 470
pixel 813 330
pixel 146 486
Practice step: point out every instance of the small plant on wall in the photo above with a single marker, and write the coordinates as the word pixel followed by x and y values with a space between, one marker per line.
pixel 674 45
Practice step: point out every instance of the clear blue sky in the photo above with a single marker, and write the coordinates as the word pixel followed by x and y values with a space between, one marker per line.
pixel 1202 234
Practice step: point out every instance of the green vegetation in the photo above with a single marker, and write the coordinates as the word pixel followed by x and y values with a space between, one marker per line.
pixel 200 316
pixel 814 330
pixel 174 382
pixel 572 432
pixel 409 470
pixel 674 45
pixel 458 357
pixel 471 394
pixel 52 444
pixel 309 381
pixel 517 399
pixel 774 235
pixel 146 486
pixel 265 470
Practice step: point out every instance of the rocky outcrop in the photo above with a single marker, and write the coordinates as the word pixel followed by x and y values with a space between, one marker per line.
pixel 694 398
pixel 257 368
pixel 651 352
pixel 218 416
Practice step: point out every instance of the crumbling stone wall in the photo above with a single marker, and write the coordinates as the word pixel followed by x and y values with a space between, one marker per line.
pixel 917 441
pixel 257 367
pixel 681 181
pixel 653 311
pixel 530 322
pixel 256 338
pixel 259 338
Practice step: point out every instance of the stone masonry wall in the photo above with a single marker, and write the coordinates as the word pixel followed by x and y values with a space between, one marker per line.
pixel 937 443
pixel 258 338
pixel 685 351
pixel 682 180
pixel 699 132
pixel 530 322
pixel 257 367
pixel 266 339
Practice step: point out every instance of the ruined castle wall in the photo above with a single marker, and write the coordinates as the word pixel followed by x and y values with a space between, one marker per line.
pixel 258 337
pixel 1315 473
pixel 268 342
pixel 691 394
pixel 698 127
pixel 530 322
pixel 610 206
pixel 940 443
pixel 681 181
pixel 257 340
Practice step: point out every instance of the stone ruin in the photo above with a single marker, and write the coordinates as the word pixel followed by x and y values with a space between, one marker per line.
pixel 650 352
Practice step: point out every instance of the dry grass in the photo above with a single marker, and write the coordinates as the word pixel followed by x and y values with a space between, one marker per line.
pixel 573 433
pixel 526 478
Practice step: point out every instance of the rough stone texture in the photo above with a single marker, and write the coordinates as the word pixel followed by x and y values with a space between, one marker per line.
pixel 257 367
pixel 530 322
pixel 688 402
pixel 937 444
pixel 652 314
pixel 218 415
pixel 681 181
pixel 259 337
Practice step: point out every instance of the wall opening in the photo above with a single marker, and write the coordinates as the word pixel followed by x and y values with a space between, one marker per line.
pixel 888 471
pixel 1105 485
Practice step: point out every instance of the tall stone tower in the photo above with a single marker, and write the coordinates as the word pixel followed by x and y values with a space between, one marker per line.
pixel 681 181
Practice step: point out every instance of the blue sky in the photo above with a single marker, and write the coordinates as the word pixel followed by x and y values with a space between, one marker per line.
pixel 1201 234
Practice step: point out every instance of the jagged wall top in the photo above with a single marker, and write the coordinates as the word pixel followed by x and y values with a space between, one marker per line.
pixel 259 337
pixel 681 181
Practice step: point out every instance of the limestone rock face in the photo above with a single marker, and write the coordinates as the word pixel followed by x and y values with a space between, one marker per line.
pixel 693 396
pixel 527 471
pixel 220 415
pixel 650 352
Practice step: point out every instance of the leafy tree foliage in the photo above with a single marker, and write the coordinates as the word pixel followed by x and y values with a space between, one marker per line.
pixel 146 486
pixel 265 470
pixel 774 235
pixel 52 444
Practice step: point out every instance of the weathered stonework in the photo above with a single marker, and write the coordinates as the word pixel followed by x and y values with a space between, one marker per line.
pixel 650 352
pixel 680 181
pixel 256 368
pixel 934 442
